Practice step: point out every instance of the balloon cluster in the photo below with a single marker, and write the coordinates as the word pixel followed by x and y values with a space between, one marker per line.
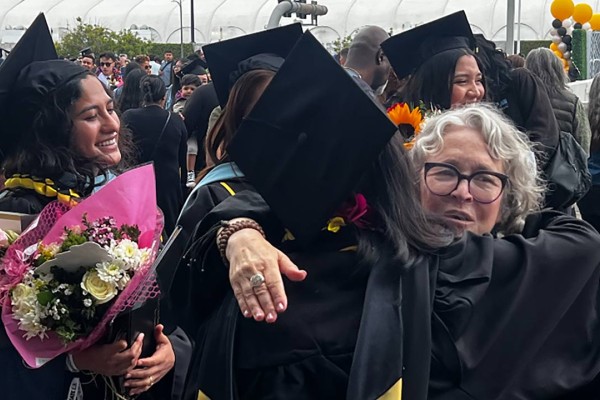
pixel 568 17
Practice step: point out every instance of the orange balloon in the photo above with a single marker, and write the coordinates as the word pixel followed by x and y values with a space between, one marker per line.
pixel 554 47
pixel 595 22
pixel 558 54
pixel 582 13
pixel 565 63
pixel 562 9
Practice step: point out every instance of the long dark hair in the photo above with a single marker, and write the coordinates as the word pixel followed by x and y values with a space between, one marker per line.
pixel 244 94
pixel 432 81
pixel 131 94
pixel 495 68
pixel 391 189
pixel 594 114
pixel 153 89
pixel 44 147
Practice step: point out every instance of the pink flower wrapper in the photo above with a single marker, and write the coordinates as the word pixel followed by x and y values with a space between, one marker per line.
pixel 130 199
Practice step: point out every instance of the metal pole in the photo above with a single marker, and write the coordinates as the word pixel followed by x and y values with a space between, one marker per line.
pixel 181 25
pixel 192 33
pixel 519 29
pixel 510 27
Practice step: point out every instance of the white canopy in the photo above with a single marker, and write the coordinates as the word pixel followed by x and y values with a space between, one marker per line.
pixel 221 19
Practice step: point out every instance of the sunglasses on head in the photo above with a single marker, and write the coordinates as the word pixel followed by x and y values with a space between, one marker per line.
pixel 106 64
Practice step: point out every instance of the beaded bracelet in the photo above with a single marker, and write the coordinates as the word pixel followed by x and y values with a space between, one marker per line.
pixel 229 228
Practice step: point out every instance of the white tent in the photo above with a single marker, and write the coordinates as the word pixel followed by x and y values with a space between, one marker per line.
pixel 221 19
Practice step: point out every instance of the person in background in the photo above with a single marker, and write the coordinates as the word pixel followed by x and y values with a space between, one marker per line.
pixel 130 94
pixel 366 62
pixel 589 205
pixel 123 62
pixel 567 107
pixel 343 55
pixel 88 59
pixel 189 83
pixel 160 137
pixel 166 67
pixel 516 60
pixel 144 61
pixel 155 65
pixel 108 73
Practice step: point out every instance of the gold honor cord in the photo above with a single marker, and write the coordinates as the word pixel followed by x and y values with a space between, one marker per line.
pixel 44 187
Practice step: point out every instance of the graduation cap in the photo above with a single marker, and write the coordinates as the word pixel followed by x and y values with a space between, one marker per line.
pixel 225 57
pixel 309 139
pixel 193 67
pixel 28 74
pixel 406 51
pixel 87 52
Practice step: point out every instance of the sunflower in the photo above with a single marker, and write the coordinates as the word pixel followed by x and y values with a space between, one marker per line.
pixel 408 121
pixel 402 114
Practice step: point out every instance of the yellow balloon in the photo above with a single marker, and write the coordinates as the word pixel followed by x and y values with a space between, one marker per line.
pixel 558 54
pixel 582 13
pixel 595 22
pixel 565 63
pixel 554 47
pixel 562 9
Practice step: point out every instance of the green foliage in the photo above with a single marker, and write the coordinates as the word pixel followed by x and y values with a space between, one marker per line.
pixel 528 45
pixel 339 44
pixel 100 39
pixel 159 49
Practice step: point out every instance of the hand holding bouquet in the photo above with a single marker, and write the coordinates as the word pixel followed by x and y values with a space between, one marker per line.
pixel 72 272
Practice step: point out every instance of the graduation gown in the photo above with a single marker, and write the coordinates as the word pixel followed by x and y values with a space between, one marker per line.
pixel 307 353
pixel 485 318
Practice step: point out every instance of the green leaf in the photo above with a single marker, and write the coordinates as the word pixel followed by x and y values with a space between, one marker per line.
pixel 45 297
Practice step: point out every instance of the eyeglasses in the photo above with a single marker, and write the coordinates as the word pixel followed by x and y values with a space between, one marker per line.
pixel 106 64
pixel 485 186
pixel 147 66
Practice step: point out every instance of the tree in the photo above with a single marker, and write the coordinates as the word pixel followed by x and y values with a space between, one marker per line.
pixel 100 39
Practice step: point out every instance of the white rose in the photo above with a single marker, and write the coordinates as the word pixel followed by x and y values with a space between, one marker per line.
pixel 100 290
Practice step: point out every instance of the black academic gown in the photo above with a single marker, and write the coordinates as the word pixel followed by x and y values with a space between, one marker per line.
pixel 485 318
pixel 306 354
pixel 166 151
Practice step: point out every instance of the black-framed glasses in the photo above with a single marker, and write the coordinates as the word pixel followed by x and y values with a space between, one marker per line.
pixel 106 64
pixel 147 66
pixel 485 186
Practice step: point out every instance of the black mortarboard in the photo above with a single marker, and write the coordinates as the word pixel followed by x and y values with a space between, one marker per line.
pixel 408 50
pixel 194 67
pixel 224 57
pixel 87 52
pixel 27 75
pixel 309 139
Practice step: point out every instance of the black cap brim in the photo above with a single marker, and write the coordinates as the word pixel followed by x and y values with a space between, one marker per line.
pixel 406 51
pixel 309 139
pixel 224 57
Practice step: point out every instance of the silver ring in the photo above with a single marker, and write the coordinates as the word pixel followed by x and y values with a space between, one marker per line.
pixel 257 279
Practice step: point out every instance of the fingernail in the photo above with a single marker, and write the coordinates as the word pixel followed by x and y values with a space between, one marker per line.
pixel 270 317
pixel 127 376
pixel 246 313
pixel 126 384
pixel 259 315
pixel 141 336
pixel 280 307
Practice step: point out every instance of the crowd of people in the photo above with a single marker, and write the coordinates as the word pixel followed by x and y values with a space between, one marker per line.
pixel 325 248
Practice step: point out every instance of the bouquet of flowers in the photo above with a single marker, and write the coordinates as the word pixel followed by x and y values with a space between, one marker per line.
pixel 73 271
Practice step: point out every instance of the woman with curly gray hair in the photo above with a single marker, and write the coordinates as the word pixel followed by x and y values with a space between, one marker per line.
pixel 477 171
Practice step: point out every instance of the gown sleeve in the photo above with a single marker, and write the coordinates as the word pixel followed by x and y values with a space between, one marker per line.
pixel 516 318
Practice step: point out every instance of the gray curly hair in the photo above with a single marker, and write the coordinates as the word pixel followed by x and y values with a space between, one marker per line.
pixel 524 193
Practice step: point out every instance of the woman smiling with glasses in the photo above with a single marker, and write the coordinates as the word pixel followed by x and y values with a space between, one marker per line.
pixel 477 171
